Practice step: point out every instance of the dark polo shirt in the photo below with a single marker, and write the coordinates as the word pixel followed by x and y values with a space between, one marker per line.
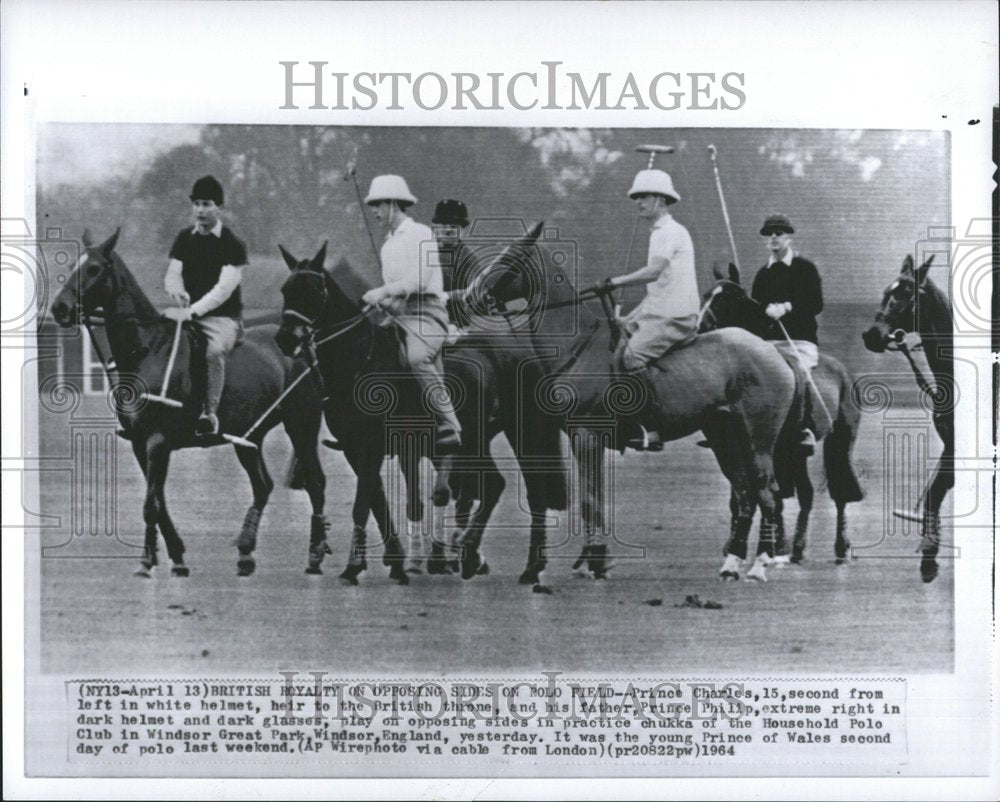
pixel 798 283
pixel 203 256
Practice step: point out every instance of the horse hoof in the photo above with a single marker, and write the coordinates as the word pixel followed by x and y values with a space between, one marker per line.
pixel 528 578
pixel 142 572
pixel 397 573
pixel 314 570
pixel 758 571
pixel 246 566
pixel 471 566
pixel 180 570
pixel 730 571
pixel 798 557
pixel 928 571
pixel 781 559
pixel 350 574
pixel 436 566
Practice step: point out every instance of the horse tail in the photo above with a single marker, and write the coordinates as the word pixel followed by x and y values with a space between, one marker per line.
pixel 841 479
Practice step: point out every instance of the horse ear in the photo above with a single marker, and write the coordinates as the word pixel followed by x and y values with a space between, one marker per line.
pixel 108 245
pixel 319 259
pixel 908 264
pixel 88 238
pixel 717 271
pixel 921 274
pixel 535 231
pixel 734 273
pixel 290 260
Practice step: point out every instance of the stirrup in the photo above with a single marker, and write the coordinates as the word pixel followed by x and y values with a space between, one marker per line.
pixel 207 425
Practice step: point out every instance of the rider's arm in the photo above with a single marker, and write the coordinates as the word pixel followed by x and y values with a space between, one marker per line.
pixel 173 281
pixel 807 291
pixel 229 280
pixel 643 275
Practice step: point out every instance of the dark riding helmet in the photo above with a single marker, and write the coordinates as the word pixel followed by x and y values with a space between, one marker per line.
pixel 208 188
pixel 777 224
pixel 451 213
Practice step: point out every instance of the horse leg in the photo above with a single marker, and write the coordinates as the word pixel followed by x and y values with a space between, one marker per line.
pixel 780 544
pixel 262 485
pixel 150 508
pixel 805 493
pixel 416 535
pixel 493 485
pixel 536 550
pixel 588 448
pixel 930 536
pixel 724 434
pixel 307 473
pixel 370 497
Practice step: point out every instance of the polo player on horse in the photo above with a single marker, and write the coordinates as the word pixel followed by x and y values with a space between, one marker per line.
pixel 666 316
pixel 412 299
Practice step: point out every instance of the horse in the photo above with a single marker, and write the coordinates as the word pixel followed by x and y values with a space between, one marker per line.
pixel 256 376
pixel 736 389
pixel 727 304
pixel 912 303
pixel 370 398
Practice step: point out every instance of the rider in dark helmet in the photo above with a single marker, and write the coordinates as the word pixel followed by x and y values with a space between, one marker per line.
pixel 790 290
pixel 203 278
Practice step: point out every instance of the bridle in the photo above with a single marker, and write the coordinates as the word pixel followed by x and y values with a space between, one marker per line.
pixel 897 335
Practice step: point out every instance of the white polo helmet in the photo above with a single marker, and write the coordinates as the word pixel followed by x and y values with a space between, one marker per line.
pixel 654 182
pixel 389 187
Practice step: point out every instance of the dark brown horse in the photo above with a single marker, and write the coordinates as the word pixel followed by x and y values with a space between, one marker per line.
pixel 729 384
pixel 912 303
pixel 141 340
pixel 836 415
pixel 375 408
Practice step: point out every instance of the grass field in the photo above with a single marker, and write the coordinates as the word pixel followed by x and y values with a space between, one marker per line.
pixel 871 615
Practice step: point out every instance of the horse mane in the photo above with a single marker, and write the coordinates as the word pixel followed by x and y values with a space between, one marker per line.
pixel 129 299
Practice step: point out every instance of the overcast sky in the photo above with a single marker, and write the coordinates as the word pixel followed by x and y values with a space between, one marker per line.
pixel 69 153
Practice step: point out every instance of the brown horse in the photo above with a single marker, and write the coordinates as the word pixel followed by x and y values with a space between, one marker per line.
pixel 729 384
pixel 912 303
pixel 256 375
pixel 837 419
pixel 375 409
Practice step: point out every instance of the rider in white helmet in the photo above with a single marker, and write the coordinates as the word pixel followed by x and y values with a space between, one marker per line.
pixel 413 297
pixel 666 316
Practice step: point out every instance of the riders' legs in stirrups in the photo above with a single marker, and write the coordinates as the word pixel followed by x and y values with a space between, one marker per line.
pixel 803 356
pixel 640 428
pixel 421 339
pixel 221 335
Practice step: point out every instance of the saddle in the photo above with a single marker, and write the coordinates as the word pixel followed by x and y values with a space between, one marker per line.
pixel 803 403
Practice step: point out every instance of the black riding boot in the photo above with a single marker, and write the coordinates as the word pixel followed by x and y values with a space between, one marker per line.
pixel 648 415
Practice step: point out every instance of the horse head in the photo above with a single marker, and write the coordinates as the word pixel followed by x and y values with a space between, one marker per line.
pixel 513 274
pixel 91 286
pixel 898 314
pixel 728 304
pixel 304 295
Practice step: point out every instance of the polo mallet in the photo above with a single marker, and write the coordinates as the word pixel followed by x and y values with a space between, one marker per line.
pixel 350 174
pixel 244 440
pixel 713 152
pixel 162 397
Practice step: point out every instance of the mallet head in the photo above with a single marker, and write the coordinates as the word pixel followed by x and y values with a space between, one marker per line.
pixel 653 151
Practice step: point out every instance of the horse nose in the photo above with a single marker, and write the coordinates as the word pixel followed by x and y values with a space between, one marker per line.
pixel 60 312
